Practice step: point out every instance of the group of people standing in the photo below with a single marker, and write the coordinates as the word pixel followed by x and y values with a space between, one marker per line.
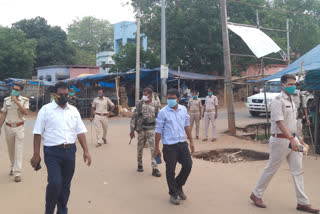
pixel 209 112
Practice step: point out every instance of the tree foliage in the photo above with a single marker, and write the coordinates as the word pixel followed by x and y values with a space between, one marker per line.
pixel 125 59
pixel 17 54
pixel 53 47
pixel 194 38
pixel 90 35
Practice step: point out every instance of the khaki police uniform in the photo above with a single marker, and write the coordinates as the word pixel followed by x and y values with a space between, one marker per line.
pixel 195 106
pixel 102 107
pixel 300 101
pixel 211 104
pixel 283 108
pixel 14 131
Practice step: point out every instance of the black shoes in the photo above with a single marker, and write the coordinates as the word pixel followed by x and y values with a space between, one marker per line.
pixel 156 173
pixel 181 195
pixel 140 169
pixel 174 200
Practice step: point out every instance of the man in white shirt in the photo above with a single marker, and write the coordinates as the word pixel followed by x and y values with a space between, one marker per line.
pixel 59 125
pixel 210 114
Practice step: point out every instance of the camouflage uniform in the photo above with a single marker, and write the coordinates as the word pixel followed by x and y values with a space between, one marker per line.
pixel 73 100
pixel 143 121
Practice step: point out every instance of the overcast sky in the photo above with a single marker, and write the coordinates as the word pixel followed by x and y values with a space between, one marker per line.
pixel 62 12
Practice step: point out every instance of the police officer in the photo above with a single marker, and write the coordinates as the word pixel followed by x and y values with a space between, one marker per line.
pixel 73 99
pixel 101 108
pixel 13 112
pixel 194 110
pixel 143 121
pixel 210 114
pixel 283 128
pixel 300 102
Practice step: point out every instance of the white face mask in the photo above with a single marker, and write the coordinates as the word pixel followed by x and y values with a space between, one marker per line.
pixel 297 91
pixel 145 98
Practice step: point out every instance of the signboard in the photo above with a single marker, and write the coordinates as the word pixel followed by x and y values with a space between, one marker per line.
pixel 164 72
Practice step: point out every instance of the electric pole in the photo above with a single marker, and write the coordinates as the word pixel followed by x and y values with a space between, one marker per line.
pixel 227 69
pixel 163 50
pixel 138 55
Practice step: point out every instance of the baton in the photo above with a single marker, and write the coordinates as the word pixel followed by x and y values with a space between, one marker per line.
pixel 310 133
pixel 130 141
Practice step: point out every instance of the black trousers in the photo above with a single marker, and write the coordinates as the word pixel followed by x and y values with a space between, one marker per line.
pixel 60 164
pixel 173 154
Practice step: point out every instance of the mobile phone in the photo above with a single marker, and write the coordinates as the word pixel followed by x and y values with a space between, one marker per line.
pixel 38 167
pixel 300 147
pixel 158 159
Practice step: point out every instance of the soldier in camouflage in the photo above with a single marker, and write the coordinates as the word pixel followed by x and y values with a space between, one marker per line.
pixel 143 121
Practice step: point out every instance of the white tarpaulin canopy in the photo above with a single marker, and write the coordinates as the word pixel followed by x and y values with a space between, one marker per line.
pixel 258 42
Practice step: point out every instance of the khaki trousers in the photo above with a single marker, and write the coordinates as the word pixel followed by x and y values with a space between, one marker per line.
pixel 14 137
pixel 278 152
pixel 101 125
pixel 209 117
pixel 299 128
pixel 195 118
pixel 145 137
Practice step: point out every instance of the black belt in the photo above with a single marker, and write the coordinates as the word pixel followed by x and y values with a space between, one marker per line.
pixel 63 146
pixel 176 144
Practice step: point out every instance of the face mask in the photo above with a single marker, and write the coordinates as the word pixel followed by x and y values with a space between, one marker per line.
pixel 290 90
pixel 15 93
pixel 195 97
pixel 297 91
pixel 209 93
pixel 100 95
pixel 71 93
pixel 145 98
pixel 61 100
pixel 172 102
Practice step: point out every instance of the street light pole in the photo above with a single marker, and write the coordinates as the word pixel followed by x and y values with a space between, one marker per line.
pixel 137 96
pixel 163 50
pixel 227 69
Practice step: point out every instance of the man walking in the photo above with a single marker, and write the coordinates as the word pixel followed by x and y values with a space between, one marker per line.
pixel 59 124
pixel 172 123
pixel 194 110
pixel 143 121
pixel 101 109
pixel 13 112
pixel 283 129
pixel 210 114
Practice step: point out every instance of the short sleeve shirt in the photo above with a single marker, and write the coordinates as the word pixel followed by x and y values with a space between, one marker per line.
pixel 282 108
pixel 14 115
pixel 298 99
pixel 211 102
pixel 102 105
pixel 194 104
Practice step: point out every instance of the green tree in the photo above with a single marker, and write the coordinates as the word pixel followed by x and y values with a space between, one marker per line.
pixel 125 59
pixel 17 54
pixel 90 35
pixel 53 47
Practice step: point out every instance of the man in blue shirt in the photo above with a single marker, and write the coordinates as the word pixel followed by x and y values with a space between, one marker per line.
pixel 172 123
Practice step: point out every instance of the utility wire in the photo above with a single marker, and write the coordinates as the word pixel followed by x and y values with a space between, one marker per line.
pixel 274 9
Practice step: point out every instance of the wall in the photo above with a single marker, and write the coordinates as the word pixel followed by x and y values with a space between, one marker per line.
pixel 56 73
pixel 105 57
pixel 254 70
pixel 76 71
pixel 126 32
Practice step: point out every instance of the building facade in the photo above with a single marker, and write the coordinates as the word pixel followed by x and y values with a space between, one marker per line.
pixel 55 73
pixel 125 32
pixel 104 61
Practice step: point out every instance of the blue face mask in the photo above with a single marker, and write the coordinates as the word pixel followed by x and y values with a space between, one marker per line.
pixel 172 102
pixel 15 93
pixel 71 93
pixel 290 90
pixel 209 93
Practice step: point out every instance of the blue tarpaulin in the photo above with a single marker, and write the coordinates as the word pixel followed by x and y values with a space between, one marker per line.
pixel 107 84
pixel 311 81
pixel 311 61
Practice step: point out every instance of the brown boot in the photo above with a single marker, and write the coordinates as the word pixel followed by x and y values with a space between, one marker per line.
pixel 17 179
pixel 307 208
pixel 257 201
